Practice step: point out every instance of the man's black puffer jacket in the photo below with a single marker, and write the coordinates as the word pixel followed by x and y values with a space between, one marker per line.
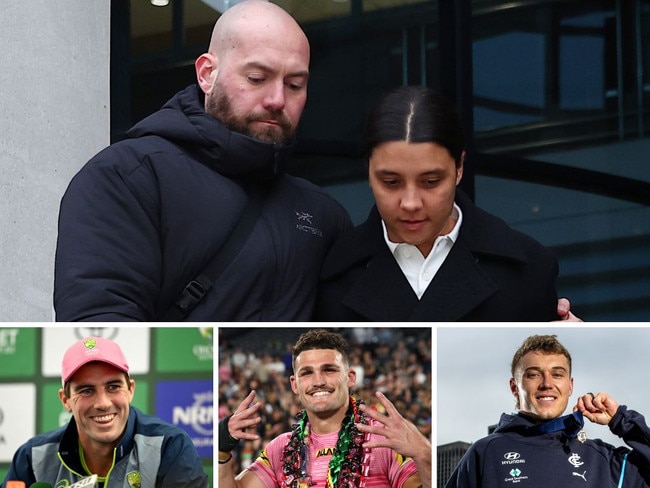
pixel 145 215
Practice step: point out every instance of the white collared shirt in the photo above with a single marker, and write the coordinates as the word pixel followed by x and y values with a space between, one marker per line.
pixel 419 271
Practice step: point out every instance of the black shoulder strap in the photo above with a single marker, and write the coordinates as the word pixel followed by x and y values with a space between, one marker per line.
pixel 196 289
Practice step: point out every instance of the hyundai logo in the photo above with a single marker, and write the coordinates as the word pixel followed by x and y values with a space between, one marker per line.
pixel 511 456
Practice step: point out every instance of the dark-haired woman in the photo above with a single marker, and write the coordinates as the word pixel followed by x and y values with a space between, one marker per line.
pixel 426 252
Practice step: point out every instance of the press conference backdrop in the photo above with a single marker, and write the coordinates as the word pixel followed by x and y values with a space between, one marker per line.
pixel 172 368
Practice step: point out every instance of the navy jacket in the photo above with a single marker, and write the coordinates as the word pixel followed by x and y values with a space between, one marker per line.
pixel 145 216
pixel 513 456
pixel 156 454
pixel 492 273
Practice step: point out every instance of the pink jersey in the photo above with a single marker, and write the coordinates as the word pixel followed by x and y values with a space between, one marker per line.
pixel 387 468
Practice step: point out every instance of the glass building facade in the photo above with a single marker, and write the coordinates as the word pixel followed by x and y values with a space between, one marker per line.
pixel 551 94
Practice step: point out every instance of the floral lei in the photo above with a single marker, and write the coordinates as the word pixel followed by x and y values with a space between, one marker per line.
pixel 346 466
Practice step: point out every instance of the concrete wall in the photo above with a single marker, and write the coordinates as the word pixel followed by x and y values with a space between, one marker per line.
pixel 54 115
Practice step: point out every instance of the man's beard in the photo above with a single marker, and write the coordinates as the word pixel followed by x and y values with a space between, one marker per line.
pixel 218 105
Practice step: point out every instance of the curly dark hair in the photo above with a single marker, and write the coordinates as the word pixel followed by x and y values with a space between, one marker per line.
pixel 321 339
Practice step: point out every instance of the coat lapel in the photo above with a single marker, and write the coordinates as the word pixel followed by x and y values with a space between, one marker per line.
pixel 457 289
pixel 383 293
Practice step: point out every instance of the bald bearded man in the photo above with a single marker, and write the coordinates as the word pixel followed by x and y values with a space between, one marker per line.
pixel 142 219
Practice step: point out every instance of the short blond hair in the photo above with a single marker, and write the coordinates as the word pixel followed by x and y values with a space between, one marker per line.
pixel 545 344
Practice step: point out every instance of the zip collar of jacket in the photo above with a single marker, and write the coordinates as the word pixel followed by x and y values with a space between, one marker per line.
pixel 569 425
pixel 69 445
pixel 566 426
pixel 184 121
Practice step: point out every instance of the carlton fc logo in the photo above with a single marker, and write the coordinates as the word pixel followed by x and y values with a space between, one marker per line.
pixel 575 460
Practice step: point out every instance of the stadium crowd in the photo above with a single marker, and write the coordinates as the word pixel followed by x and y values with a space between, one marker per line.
pixel 396 362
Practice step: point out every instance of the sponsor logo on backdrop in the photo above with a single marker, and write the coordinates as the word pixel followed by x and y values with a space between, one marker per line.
pixel 189 405
pixel 105 332
pixel 204 352
pixel 198 415
pixel 8 341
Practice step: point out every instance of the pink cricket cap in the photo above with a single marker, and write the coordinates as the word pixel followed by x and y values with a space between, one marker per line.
pixel 92 349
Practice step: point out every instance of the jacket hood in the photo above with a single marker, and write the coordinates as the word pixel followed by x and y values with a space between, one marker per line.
pixel 183 121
